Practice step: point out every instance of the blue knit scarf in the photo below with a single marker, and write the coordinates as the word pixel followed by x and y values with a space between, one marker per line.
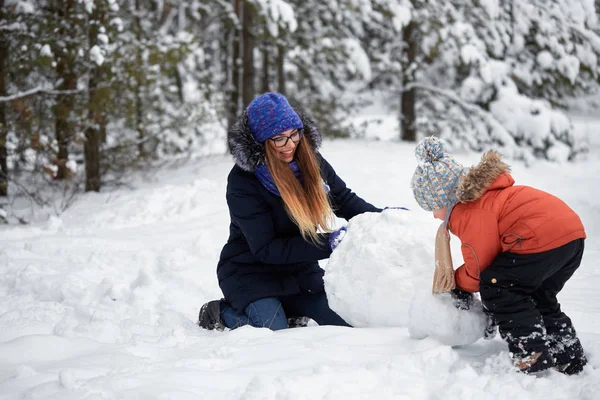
pixel 264 176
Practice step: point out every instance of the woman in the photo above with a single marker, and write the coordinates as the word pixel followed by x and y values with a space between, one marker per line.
pixel 280 193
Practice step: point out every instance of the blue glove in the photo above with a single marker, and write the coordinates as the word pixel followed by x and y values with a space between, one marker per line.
pixel 335 238
pixel 396 208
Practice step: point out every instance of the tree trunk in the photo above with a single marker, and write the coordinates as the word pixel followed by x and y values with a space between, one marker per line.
pixel 3 121
pixel 234 85
pixel 65 71
pixel 93 133
pixel 265 62
pixel 139 81
pixel 248 54
pixel 280 70
pixel 408 117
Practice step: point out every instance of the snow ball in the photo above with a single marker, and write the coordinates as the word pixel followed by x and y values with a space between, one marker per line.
pixel 436 316
pixel 383 260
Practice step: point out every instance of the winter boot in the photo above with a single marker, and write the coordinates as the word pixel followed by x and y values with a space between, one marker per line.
pixel 210 316
pixel 298 322
pixel 536 362
pixel 573 367
pixel 571 359
pixel 566 347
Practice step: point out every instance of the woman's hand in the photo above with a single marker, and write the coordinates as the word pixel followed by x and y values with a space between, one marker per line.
pixel 335 238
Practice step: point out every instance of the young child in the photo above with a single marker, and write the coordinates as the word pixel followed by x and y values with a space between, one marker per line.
pixel 519 244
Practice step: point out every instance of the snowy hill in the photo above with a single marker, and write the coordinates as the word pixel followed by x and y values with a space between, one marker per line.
pixel 100 303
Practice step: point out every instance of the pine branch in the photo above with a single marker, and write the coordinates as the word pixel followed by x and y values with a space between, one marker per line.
pixel 496 127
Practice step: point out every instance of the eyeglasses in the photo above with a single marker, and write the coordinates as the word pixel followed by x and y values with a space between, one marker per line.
pixel 282 140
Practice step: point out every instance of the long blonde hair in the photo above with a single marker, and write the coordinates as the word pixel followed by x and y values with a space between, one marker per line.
pixel 306 203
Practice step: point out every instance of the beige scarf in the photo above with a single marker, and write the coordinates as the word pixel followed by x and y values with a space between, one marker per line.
pixel 443 275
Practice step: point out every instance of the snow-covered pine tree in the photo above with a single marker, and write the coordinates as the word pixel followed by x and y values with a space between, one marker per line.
pixel 4 41
pixel 161 97
pixel 101 31
pixel 42 69
pixel 519 61
pixel 324 55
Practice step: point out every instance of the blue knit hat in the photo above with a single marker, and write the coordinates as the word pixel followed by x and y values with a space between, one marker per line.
pixel 436 178
pixel 270 114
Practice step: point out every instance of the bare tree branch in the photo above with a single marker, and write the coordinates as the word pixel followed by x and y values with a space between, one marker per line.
pixel 36 90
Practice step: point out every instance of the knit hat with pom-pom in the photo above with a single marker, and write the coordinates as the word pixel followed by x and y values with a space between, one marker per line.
pixel 436 178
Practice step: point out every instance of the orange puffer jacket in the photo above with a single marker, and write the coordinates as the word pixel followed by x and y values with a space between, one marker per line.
pixel 493 216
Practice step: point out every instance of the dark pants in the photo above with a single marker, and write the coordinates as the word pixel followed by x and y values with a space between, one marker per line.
pixel 519 290
pixel 272 312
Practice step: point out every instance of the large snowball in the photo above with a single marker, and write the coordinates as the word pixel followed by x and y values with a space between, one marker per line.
pixel 381 275
pixel 383 260
pixel 438 318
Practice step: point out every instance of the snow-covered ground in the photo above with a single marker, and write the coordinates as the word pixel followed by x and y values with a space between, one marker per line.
pixel 101 302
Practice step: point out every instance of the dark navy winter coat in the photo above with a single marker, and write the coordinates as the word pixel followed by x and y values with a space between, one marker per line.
pixel 265 255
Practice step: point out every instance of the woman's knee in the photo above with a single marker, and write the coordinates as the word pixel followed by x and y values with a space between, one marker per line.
pixel 267 313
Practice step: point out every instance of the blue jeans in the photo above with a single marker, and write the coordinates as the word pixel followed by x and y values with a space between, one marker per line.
pixel 270 312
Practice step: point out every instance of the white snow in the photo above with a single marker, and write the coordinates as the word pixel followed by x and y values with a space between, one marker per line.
pixel 100 302
pixel 358 61
pixel 89 5
pixel 545 59
pixel 46 51
pixel 492 8
pixel 569 67
pixel 401 15
pixel 280 14
pixel 103 38
pixel 96 55
pixel 114 6
pixel 72 166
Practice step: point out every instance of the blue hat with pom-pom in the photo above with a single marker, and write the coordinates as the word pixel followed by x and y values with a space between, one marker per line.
pixel 270 114
pixel 436 178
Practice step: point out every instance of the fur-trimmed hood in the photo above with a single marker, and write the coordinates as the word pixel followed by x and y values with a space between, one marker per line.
pixel 483 177
pixel 249 154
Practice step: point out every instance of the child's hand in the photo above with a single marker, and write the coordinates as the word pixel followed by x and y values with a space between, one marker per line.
pixel 462 300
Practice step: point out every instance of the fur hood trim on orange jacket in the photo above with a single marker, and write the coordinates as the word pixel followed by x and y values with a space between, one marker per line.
pixel 482 177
